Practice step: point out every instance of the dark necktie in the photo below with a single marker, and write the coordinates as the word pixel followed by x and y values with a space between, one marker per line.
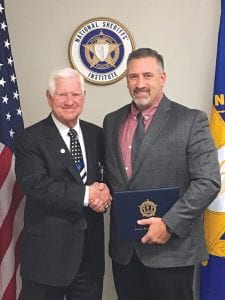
pixel 77 154
pixel 138 136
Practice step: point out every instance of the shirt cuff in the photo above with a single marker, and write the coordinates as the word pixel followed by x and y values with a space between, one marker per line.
pixel 86 196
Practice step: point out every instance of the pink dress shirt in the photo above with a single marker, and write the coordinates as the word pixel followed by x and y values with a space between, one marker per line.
pixel 127 131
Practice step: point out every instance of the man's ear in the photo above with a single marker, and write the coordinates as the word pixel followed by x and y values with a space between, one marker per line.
pixel 47 94
pixel 49 97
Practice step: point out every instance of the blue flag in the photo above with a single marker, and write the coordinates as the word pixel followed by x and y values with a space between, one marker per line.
pixel 212 280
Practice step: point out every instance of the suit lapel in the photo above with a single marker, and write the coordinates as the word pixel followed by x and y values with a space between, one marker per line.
pixel 55 142
pixel 116 147
pixel 89 140
pixel 159 121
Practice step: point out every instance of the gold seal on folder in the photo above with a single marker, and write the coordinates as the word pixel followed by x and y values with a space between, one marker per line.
pixel 148 208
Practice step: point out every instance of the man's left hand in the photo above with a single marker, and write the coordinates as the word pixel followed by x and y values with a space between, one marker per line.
pixel 157 232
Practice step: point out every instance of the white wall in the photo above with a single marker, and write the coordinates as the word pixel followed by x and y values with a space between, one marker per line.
pixel 184 32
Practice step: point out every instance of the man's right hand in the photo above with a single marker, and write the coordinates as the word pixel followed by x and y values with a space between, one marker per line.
pixel 99 197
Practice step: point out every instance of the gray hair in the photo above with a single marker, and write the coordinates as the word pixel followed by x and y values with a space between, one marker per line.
pixel 63 73
pixel 147 52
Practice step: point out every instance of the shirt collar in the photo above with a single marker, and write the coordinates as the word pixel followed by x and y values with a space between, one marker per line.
pixel 64 129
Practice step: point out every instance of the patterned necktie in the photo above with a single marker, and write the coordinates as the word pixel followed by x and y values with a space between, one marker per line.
pixel 138 136
pixel 77 154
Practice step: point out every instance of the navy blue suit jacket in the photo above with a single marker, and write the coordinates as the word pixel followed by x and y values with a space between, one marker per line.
pixel 55 218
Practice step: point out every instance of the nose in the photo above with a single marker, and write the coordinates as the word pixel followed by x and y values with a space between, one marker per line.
pixel 69 100
pixel 140 82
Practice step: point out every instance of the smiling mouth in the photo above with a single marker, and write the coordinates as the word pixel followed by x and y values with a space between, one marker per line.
pixel 141 94
pixel 137 91
pixel 69 108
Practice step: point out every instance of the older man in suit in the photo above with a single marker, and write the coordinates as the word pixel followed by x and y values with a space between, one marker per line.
pixel 176 150
pixel 63 240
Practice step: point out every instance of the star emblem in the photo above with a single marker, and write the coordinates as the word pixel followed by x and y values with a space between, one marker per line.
pixel 11 132
pixel 19 112
pixel 16 95
pixel 5 99
pixel 2 82
pixel 8 116
pixel 10 61
pixel 13 78
pixel 102 50
pixel 1 8
pixel 3 26
pixel 7 43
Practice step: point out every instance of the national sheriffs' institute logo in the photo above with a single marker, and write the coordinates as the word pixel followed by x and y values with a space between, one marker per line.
pixel 99 49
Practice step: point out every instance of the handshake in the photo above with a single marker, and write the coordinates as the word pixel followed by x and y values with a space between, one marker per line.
pixel 99 197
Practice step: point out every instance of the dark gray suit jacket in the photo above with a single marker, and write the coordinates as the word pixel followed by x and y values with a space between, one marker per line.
pixel 55 218
pixel 177 150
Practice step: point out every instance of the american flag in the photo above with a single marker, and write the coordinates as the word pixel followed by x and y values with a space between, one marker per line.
pixel 11 198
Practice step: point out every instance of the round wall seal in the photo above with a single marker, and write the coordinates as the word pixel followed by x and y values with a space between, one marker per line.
pixel 99 49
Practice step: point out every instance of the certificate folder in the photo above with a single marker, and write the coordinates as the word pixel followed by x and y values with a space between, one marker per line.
pixel 130 206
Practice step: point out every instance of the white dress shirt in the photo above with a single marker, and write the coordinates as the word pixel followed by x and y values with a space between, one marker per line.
pixel 63 130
